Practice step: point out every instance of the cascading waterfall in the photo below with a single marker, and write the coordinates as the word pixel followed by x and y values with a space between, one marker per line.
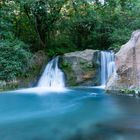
pixel 52 76
pixel 107 65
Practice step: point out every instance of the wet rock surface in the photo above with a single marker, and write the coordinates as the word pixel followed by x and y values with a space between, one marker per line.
pixel 81 67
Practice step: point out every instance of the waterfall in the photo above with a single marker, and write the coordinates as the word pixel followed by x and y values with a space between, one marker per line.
pixel 52 76
pixel 107 65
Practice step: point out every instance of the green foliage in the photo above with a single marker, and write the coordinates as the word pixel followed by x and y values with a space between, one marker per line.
pixel 61 26
pixel 43 14
pixel 70 76
pixel 62 44
pixel 13 60
pixel 64 65
pixel 128 91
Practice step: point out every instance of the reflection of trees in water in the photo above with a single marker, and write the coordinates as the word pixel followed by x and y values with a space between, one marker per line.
pixel 111 130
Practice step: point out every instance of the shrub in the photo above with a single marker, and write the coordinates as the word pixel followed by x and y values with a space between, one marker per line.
pixel 13 59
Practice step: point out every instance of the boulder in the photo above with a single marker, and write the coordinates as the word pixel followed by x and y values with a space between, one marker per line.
pixel 127 75
pixel 81 67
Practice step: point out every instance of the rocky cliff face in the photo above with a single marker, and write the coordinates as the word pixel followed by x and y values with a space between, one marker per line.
pixel 81 67
pixel 127 65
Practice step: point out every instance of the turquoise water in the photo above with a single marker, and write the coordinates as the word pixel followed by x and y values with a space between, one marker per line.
pixel 76 114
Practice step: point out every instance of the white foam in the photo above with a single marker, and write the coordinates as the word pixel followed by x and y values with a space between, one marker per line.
pixel 39 90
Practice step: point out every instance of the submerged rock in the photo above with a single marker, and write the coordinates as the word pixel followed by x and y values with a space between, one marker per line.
pixel 127 61
pixel 81 67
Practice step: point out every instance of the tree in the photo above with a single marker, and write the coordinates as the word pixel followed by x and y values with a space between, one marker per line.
pixel 14 54
pixel 44 14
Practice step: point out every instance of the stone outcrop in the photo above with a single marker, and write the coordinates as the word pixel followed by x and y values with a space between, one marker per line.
pixel 34 70
pixel 38 60
pixel 127 61
pixel 81 67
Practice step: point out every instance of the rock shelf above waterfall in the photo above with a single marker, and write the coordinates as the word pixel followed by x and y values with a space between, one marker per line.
pixel 81 68
pixel 88 67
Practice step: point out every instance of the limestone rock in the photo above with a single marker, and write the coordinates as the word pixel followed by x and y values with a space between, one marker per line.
pixel 127 65
pixel 80 67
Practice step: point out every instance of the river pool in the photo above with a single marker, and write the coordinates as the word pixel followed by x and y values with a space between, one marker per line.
pixel 73 114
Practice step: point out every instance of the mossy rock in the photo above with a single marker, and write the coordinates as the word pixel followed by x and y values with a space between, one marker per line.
pixel 68 71
pixel 79 71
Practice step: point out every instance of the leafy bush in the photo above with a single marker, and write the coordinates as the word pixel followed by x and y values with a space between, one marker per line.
pixel 61 26
pixel 62 44
pixel 13 59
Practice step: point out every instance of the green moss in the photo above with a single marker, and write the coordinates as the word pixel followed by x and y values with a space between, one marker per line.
pixel 127 91
pixel 71 78
pixel 67 69
pixel 87 67
pixel 82 62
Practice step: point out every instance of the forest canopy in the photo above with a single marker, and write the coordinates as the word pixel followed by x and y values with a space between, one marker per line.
pixel 60 26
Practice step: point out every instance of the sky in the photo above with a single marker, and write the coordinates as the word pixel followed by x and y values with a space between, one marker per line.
pixel 102 1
